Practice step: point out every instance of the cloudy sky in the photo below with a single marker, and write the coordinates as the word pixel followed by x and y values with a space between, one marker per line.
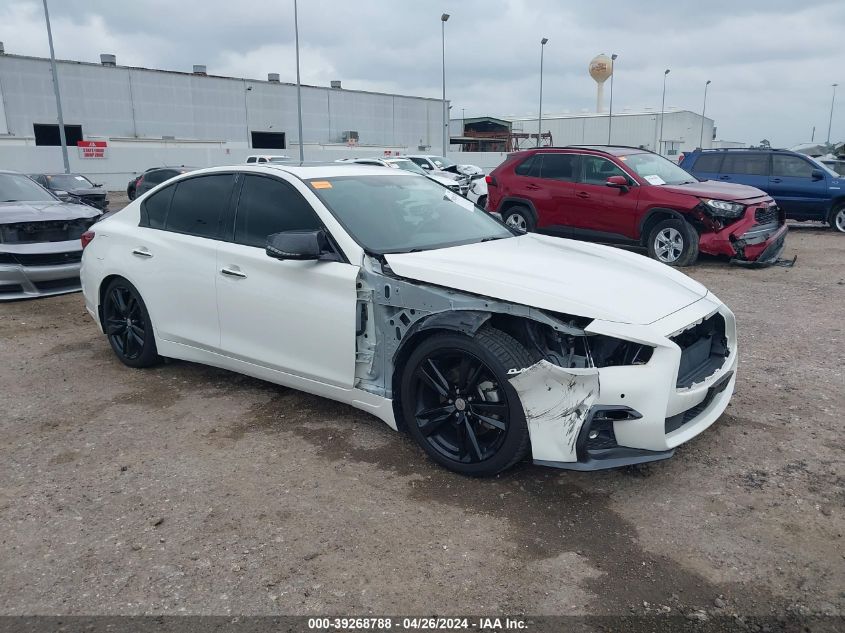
pixel 772 62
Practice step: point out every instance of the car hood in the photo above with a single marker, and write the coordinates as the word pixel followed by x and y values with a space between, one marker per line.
pixel 443 180
pixel 11 212
pixel 87 191
pixel 717 190
pixel 559 275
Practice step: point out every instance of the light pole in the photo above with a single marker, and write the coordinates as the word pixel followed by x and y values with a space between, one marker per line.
pixel 703 110
pixel 298 83
pixel 830 120
pixel 610 116
pixel 443 19
pixel 543 43
pixel 662 113
pixel 62 137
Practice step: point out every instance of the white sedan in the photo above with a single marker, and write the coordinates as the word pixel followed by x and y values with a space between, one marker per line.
pixel 382 290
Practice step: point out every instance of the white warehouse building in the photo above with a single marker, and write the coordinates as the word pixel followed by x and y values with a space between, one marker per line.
pixel 125 103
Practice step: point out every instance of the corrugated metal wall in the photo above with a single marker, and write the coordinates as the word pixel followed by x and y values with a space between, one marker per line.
pixel 124 102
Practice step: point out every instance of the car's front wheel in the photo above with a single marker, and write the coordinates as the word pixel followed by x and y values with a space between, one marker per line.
pixel 520 218
pixel 128 326
pixel 673 242
pixel 458 404
pixel 837 219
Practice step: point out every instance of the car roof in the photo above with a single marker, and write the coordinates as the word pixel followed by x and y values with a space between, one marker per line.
pixel 307 171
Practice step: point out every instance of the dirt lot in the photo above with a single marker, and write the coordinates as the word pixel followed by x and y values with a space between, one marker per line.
pixel 186 489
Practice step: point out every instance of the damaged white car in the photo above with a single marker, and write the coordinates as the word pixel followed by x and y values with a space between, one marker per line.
pixel 384 291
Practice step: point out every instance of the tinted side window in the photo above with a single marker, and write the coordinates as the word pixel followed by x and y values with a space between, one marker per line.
pixel 422 162
pixel 198 205
pixel 708 162
pixel 524 168
pixel 270 206
pixel 791 167
pixel 262 160
pixel 560 167
pixel 747 164
pixel 154 210
pixel 598 170
pixel 251 159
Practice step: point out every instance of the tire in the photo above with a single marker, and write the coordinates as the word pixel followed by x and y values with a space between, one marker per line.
pixel 458 404
pixel 837 219
pixel 482 202
pixel 127 324
pixel 673 242
pixel 519 217
pixel 130 193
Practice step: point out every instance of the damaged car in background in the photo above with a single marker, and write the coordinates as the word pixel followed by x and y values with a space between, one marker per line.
pixel 380 289
pixel 40 250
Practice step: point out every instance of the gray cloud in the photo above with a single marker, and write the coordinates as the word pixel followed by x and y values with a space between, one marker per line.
pixel 771 62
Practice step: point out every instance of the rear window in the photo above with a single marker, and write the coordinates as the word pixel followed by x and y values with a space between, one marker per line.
pixel 198 205
pixel 746 164
pixel 708 162
pixel 529 167
pixel 560 167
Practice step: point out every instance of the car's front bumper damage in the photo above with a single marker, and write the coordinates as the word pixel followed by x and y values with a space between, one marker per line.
pixel 39 270
pixel 755 240
pixel 592 419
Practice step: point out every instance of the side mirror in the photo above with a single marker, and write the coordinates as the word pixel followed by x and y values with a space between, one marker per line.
pixel 426 166
pixel 618 182
pixel 817 174
pixel 300 245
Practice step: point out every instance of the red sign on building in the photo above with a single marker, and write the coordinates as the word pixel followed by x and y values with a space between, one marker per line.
pixel 92 149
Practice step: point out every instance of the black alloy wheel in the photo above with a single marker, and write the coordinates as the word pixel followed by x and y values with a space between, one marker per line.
pixel 459 406
pixel 127 325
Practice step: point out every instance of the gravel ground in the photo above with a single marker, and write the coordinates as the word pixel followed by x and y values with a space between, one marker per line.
pixel 187 489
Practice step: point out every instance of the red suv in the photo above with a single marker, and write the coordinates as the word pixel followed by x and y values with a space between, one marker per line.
pixel 627 195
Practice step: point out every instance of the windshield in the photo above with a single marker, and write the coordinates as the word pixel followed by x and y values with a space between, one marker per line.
pixel 395 213
pixel 68 181
pixel 656 170
pixel 407 165
pixel 441 162
pixel 17 188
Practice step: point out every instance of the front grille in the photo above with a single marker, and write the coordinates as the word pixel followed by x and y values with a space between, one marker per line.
pixel 703 350
pixel 95 200
pixel 10 288
pixel 766 215
pixel 47 259
pixel 46 231
pixel 58 284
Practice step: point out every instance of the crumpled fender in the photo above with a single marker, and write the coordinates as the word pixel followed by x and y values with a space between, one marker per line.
pixel 556 402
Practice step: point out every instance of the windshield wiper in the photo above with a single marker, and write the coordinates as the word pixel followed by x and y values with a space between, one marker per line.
pixel 11 200
pixel 490 239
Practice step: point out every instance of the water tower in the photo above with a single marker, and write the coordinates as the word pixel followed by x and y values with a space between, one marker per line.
pixel 601 68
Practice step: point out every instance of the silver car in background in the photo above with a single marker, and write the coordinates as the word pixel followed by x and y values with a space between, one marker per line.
pixel 40 247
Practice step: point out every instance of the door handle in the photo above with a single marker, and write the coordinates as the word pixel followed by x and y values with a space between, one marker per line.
pixel 724 177
pixel 141 252
pixel 233 272
pixel 582 194
pixel 776 180
pixel 532 187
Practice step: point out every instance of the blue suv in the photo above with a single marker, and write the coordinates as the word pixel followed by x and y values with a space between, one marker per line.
pixel 803 188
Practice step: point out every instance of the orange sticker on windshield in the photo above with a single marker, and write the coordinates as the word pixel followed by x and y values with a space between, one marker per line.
pixel 321 184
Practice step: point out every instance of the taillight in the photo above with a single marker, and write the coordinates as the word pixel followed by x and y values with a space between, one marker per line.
pixel 86 238
pixel 139 181
pixel 490 180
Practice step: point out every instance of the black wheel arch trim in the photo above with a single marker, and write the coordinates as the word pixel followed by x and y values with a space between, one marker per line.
pixel 663 211
pixel 509 201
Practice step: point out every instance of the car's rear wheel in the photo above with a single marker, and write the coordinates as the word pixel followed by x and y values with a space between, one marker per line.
pixel 673 242
pixel 127 325
pixel 520 218
pixel 130 193
pixel 458 404
pixel 837 219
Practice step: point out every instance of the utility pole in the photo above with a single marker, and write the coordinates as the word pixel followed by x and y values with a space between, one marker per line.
pixel 703 110
pixel 443 19
pixel 543 43
pixel 610 115
pixel 298 84
pixel 830 121
pixel 62 137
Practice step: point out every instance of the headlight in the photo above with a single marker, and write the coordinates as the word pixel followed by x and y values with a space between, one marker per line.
pixel 725 209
